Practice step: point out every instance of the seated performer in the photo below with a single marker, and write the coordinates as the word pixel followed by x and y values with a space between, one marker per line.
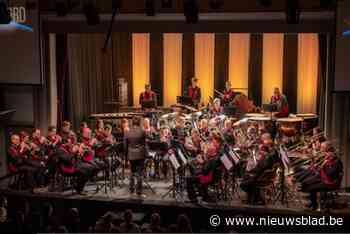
pixel 204 129
pixel 268 157
pixel 326 175
pixel 228 132
pixel 228 94
pixel 149 130
pixel 148 95
pixel 99 129
pixel 281 102
pixel 193 143
pixel 179 132
pixel 217 109
pixel 209 170
pixel 67 133
pixel 19 161
pixel 39 145
pixel 194 92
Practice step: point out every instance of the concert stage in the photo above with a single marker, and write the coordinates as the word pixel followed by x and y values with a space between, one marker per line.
pixel 95 204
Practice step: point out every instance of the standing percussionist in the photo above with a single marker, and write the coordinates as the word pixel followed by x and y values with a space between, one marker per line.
pixel 147 96
pixel 194 92
pixel 280 100
pixel 135 149
pixel 228 94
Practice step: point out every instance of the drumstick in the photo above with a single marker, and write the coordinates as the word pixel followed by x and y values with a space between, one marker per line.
pixel 221 94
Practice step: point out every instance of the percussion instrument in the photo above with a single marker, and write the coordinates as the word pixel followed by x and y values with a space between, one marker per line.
pixel 253 115
pixel 310 121
pixel 127 115
pixel 289 127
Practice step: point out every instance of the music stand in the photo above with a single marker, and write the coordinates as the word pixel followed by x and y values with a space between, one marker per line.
pixel 184 100
pixel 157 146
pixel 270 108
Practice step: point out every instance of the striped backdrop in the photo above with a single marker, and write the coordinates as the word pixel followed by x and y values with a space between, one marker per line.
pixel 254 63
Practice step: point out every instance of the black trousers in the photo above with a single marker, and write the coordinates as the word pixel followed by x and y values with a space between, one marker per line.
pixel 249 185
pixel 193 186
pixel 137 168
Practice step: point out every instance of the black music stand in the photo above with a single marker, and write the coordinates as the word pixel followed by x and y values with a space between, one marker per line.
pixel 270 108
pixel 185 100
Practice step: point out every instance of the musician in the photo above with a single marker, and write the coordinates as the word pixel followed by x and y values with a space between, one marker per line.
pixel 267 159
pixel 149 130
pixel 179 133
pixel 67 133
pixel 325 176
pixel 99 129
pixel 87 153
pixel 104 143
pixel 135 148
pixel 39 145
pixel 18 161
pixel 228 132
pixel 217 109
pixel 209 171
pixel 81 128
pixel 281 102
pixel 148 95
pixel 204 128
pixel 193 143
pixel 228 94
pixel 194 92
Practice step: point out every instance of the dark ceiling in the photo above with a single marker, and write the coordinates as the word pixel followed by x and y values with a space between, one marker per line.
pixel 138 6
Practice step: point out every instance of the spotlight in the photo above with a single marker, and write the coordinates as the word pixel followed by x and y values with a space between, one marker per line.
pixel 150 7
pixel 265 3
pixel 292 12
pixel 5 17
pixel 191 11
pixel 215 4
pixel 91 13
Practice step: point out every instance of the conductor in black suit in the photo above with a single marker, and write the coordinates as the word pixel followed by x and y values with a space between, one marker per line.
pixel 135 148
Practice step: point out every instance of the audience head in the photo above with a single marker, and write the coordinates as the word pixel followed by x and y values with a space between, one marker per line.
pixel 128 216
pixel 184 224
pixel 155 220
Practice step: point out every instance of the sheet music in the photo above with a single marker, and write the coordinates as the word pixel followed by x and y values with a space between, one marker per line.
pixel 226 161
pixel 182 157
pixel 235 157
pixel 284 156
pixel 174 161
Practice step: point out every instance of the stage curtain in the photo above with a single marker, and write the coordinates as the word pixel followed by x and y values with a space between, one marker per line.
pixel 88 82
pixel 140 64
pixel 272 64
pixel 172 84
pixel 204 63
pixel 255 68
pixel 239 61
pixel 308 60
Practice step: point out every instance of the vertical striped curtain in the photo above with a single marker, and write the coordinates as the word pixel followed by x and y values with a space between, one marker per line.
pixel 140 64
pixel 272 64
pixel 239 61
pixel 204 63
pixel 172 83
pixel 308 58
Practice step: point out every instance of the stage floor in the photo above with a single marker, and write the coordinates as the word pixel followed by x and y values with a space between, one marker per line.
pixel 96 203
pixel 157 193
